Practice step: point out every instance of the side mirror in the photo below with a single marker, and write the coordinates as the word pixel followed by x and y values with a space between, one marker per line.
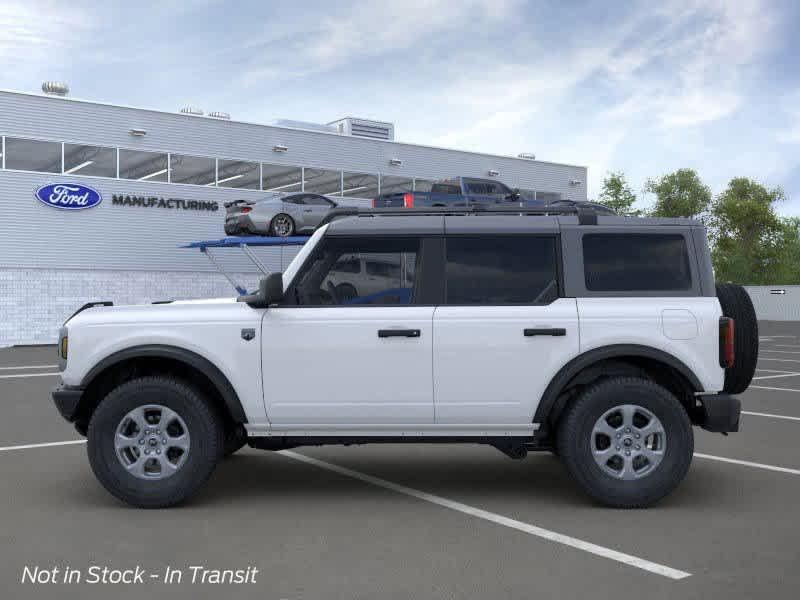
pixel 270 291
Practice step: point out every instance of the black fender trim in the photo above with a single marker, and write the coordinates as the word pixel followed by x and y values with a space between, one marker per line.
pixel 220 381
pixel 587 359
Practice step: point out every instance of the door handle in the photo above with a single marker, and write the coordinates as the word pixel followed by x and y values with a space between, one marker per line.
pixel 554 331
pixel 386 333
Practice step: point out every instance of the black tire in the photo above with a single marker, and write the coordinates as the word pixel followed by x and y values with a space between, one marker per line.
pixel 736 304
pixel 292 227
pixel 202 422
pixel 235 439
pixel 574 442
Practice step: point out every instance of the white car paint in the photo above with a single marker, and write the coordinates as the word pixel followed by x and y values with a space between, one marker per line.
pixel 324 371
pixel 487 371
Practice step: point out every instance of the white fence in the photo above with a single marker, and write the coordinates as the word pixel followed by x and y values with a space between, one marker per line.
pixel 776 302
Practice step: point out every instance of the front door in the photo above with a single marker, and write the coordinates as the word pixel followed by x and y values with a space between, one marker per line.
pixel 502 331
pixel 347 348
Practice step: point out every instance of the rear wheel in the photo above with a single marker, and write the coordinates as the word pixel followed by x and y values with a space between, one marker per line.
pixel 626 441
pixel 282 225
pixel 153 441
pixel 736 304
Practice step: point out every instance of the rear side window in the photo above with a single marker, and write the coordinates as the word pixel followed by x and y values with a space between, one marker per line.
pixel 636 262
pixel 501 270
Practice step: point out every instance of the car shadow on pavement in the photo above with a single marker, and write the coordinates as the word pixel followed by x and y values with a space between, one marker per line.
pixel 257 477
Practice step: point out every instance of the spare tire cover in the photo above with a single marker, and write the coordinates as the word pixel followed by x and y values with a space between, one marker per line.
pixel 736 304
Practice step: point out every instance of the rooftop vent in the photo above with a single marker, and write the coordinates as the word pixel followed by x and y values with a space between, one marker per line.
pixel 376 130
pixel 192 110
pixel 55 88
pixel 216 114
pixel 527 155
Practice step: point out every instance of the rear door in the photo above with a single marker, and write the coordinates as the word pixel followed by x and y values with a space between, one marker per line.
pixel 503 330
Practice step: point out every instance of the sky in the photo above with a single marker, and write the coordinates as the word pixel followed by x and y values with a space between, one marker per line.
pixel 639 87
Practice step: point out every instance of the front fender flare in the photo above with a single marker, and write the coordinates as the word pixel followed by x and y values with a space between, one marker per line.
pixel 192 359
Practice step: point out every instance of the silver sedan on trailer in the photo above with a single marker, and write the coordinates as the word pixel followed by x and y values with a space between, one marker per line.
pixel 279 214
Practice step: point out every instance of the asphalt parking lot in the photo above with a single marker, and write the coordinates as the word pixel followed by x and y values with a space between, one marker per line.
pixel 400 521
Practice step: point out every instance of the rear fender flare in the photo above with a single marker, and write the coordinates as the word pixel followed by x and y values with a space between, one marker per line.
pixel 578 364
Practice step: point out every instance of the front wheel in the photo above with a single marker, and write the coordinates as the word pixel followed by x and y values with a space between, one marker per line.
pixel 626 441
pixel 153 441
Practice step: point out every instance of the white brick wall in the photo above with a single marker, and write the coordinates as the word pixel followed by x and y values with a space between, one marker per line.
pixel 35 302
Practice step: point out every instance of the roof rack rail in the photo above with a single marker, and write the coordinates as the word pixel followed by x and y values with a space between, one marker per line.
pixel 586 212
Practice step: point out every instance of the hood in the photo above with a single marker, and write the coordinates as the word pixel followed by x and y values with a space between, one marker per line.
pixel 168 312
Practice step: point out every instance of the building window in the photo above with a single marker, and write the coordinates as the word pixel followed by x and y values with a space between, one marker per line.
pixel 323 181
pixel 144 166
pixel 360 185
pixel 501 270
pixel 90 160
pixel 396 185
pixel 280 178
pixel 195 170
pixel 33 155
pixel 238 174
pixel 645 262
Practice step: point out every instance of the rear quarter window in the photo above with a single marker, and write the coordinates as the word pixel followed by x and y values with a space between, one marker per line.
pixel 636 262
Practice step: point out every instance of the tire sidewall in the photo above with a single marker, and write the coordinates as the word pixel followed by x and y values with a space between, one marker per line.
pixel 576 438
pixel 272 225
pixel 204 434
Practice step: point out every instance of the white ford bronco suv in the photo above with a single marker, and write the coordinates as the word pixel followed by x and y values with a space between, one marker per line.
pixel 600 338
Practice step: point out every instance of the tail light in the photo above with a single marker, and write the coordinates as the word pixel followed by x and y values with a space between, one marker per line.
pixel 246 209
pixel 374 203
pixel 408 200
pixel 727 352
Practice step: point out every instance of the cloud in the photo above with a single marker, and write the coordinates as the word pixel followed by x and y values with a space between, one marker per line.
pixel 370 28
pixel 32 34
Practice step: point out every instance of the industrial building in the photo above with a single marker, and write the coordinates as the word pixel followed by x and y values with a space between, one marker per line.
pixel 161 180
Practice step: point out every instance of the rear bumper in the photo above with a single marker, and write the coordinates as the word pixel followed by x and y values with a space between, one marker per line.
pixel 721 413
pixel 67 399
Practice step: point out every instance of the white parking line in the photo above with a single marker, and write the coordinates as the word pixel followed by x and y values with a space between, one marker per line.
pixel 628 559
pixel 770 415
pixel 747 463
pixel 785 346
pixel 773 371
pixel 29 367
pixel 776 376
pixel 794 360
pixel 45 445
pixel 776 389
pixel 29 375
pixel 781 351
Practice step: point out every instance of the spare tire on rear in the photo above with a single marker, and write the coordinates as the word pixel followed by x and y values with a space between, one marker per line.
pixel 736 304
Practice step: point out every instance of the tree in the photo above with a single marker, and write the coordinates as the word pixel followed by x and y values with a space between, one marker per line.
pixel 617 194
pixel 752 245
pixel 679 194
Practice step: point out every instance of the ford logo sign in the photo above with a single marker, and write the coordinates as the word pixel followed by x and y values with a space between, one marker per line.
pixel 69 196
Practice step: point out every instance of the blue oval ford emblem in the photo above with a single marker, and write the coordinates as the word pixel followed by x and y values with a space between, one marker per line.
pixel 69 196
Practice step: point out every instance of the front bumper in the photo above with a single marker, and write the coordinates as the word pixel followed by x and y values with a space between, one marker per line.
pixel 721 413
pixel 67 400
